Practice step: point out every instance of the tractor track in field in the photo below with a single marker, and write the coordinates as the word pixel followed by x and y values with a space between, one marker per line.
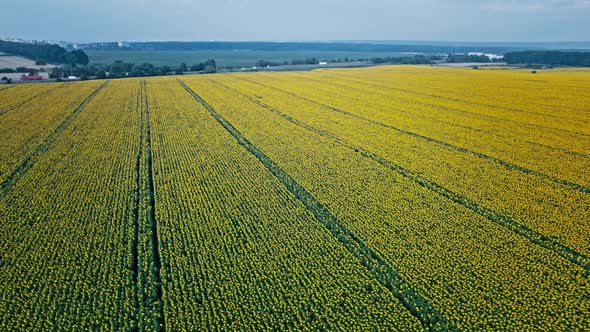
pixel 508 223
pixel 415 303
pixel 154 306
pixel 506 164
pixel 574 153
pixel 42 148
pixel 8 88
pixel 136 206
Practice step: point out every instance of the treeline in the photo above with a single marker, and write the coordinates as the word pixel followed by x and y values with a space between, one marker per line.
pixel 119 69
pixel 43 53
pixel 458 58
pixel 307 61
pixel 130 69
pixel 20 70
pixel 553 58
pixel 416 59
pixel 413 60
pixel 266 63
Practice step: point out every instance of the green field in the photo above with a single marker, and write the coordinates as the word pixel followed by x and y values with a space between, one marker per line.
pixel 227 58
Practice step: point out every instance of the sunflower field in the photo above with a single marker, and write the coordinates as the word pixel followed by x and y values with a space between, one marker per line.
pixel 404 198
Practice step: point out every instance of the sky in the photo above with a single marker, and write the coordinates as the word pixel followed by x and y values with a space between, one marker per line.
pixel 239 20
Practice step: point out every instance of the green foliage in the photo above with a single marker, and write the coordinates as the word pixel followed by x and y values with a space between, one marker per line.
pixel 44 53
pixel 554 58
pixel 417 59
pixel 457 58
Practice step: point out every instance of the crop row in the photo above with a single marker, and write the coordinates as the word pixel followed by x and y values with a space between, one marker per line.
pixel 11 99
pixel 555 211
pixel 454 108
pixel 557 154
pixel 25 129
pixel 66 227
pixel 477 273
pixel 510 90
pixel 239 251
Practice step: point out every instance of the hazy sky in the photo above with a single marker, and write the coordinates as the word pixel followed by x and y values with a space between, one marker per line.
pixel 449 20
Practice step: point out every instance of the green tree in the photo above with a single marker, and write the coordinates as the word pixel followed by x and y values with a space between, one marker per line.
pixel 210 66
